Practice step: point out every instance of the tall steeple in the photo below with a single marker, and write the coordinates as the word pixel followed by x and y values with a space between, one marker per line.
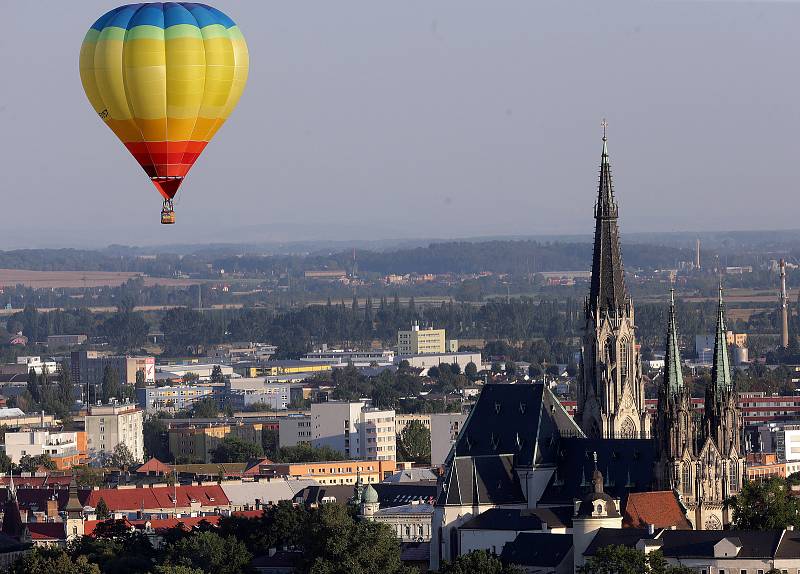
pixel 608 278
pixel 721 370
pixel 611 388
pixel 673 374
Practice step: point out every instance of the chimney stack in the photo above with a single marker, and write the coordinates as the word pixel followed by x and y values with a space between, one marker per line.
pixel 784 308
pixel 697 254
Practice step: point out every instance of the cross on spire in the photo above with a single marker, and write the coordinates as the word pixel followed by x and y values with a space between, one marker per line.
pixel 604 125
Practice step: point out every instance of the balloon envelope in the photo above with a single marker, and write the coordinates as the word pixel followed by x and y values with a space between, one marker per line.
pixel 164 77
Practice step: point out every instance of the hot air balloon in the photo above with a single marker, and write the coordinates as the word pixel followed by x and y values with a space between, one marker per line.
pixel 164 77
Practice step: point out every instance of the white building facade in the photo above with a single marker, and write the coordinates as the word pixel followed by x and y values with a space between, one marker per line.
pixel 354 429
pixel 110 425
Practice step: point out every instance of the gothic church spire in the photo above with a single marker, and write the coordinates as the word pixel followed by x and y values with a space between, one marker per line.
pixel 607 291
pixel 673 375
pixel 721 370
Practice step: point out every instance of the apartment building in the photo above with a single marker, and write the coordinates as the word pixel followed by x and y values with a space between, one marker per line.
pixel 294 430
pixel 401 421
pixel 197 442
pixel 113 424
pixel 333 472
pixel 66 448
pixel 444 432
pixel 354 429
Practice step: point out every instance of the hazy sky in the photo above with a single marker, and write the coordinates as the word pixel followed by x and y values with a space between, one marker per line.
pixel 426 119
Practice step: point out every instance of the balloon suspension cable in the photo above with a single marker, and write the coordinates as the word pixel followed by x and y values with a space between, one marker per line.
pixel 168 206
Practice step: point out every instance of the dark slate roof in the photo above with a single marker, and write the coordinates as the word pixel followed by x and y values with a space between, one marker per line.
pixel 482 480
pixel 626 465
pixel 524 420
pixel 389 494
pixel 789 546
pixel 616 537
pixel 415 552
pixel 694 543
pixel 538 549
pixel 504 519
pixel 700 543
pixel 607 292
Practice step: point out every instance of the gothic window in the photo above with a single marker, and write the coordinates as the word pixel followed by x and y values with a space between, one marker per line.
pixel 628 429
pixel 686 478
pixel 623 358
pixel 734 475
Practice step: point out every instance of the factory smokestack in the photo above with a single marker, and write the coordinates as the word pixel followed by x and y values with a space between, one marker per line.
pixel 784 309
pixel 697 254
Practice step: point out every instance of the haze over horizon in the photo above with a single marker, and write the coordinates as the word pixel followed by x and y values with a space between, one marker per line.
pixel 447 120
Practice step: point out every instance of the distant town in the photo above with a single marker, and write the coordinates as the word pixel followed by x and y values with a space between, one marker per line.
pixel 464 407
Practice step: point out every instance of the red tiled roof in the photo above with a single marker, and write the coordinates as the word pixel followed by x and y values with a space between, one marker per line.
pixel 254 466
pixel 186 523
pixel 132 499
pixel 154 465
pixel 659 508
pixel 47 530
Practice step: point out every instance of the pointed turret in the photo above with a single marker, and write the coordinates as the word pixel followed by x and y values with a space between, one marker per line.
pixel 608 291
pixel 74 508
pixel 673 374
pixel 721 370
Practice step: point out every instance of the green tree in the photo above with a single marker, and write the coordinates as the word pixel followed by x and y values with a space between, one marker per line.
pixel 51 560
pixel 766 505
pixel 478 561
pixel 5 463
pixel 110 385
pixel 122 457
pixel 307 453
pixel 217 376
pixel 209 552
pixel 155 438
pixel 624 560
pixel 415 443
pixel 206 408
pixel 140 380
pixel 88 477
pixel 511 368
pixel 176 569
pixel 66 389
pixel 269 442
pixel 234 449
pixel 471 371
pixel 28 463
pixel 102 510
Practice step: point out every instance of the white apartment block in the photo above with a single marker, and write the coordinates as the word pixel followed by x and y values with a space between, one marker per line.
pixel 37 442
pixel 113 424
pixel 354 429
pixel 294 430
pixel 444 432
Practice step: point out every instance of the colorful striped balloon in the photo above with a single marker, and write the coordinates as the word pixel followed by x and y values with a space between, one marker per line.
pixel 164 77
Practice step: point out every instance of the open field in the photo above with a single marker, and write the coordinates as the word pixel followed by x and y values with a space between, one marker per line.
pixel 79 279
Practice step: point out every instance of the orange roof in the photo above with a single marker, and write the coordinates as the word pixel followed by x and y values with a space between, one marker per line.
pixel 47 530
pixel 154 465
pixel 132 499
pixel 185 522
pixel 660 508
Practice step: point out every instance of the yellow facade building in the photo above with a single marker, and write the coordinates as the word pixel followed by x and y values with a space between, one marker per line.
pixel 419 341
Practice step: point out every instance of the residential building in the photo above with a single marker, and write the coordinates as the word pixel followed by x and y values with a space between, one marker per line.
pixel 333 472
pixel 294 430
pixel 782 439
pixel 244 392
pixel 410 522
pixel 37 365
pixel 765 465
pixel 354 429
pixel 66 448
pixel 110 425
pixel 197 442
pixel 401 421
pixel 179 397
pixel 421 341
pixel 444 432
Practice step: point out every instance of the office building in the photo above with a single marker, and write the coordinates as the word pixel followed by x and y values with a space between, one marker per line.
pixel 332 472
pixel 176 398
pixel 429 360
pixel 110 425
pixel 354 429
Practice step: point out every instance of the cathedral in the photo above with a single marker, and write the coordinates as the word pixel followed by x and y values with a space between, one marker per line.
pixel 520 459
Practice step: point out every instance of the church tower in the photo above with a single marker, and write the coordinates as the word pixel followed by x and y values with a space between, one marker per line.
pixel 676 424
pixel 611 400
pixel 720 466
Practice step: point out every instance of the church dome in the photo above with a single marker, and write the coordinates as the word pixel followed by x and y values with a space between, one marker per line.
pixel 598 504
pixel 370 495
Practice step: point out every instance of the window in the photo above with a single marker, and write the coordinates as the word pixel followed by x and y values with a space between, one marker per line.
pixel 623 358
pixel 686 478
